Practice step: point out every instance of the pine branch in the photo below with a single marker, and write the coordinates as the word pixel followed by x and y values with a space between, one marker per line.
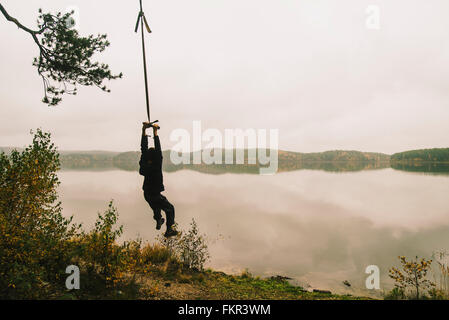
pixel 65 56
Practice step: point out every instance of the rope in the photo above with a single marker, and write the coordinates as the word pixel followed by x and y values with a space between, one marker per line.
pixel 143 21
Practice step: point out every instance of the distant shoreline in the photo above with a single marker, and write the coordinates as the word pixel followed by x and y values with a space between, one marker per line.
pixel 425 160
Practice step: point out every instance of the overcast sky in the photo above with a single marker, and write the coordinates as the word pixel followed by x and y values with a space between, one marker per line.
pixel 310 68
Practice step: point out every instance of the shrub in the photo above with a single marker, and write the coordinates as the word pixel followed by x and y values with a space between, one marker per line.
pixel 413 275
pixel 101 258
pixel 437 294
pixel 190 247
pixel 155 254
pixel 395 294
pixel 37 242
pixel 34 250
pixel 442 259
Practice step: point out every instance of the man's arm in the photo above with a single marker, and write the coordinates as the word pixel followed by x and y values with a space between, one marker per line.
pixel 143 149
pixel 157 142
pixel 144 140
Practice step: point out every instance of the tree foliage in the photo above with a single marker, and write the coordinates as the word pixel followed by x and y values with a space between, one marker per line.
pixel 424 155
pixel 65 57
pixel 38 243
pixel 190 247
pixel 413 275
pixel 33 231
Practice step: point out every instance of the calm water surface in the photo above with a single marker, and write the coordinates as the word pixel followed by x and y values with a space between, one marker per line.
pixel 317 227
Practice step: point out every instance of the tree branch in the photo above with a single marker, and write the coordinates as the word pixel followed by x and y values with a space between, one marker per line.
pixel 33 33
pixel 65 57
pixel 9 18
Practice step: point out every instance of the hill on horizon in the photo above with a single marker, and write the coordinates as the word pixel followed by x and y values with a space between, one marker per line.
pixel 422 155
pixel 424 160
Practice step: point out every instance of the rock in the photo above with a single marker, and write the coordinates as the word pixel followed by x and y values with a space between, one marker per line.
pixel 322 291
pixel 346 283
pixel 280 278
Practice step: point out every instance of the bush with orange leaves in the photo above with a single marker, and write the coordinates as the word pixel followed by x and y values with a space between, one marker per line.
pixel 33 232
pixel 413 275
pixel 37 242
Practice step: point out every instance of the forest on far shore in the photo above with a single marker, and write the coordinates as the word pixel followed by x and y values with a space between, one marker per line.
pixel 424 155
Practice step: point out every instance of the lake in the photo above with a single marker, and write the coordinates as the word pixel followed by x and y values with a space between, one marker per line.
pixel 319 228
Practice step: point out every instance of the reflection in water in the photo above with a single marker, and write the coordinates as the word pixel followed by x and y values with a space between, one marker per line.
pixel 423 167
pixel 316 227
pixel 282 167
pixel 129 161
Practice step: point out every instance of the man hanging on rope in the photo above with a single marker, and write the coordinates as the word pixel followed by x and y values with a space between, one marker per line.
pixel 151 168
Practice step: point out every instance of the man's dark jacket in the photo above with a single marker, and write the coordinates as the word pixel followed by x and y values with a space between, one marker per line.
pixel 151 169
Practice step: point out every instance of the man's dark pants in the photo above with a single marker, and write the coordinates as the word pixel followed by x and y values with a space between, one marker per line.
pixel 158 202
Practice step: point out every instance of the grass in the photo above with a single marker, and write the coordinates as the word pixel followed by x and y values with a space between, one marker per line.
pixel 166 278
